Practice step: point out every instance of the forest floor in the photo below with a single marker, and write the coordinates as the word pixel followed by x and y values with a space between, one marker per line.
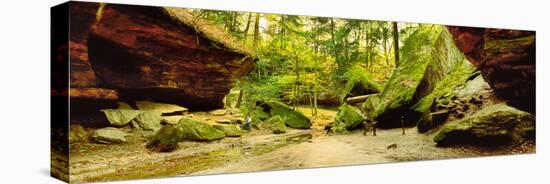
pixel 257 151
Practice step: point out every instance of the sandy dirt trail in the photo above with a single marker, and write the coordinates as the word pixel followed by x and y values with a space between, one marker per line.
pixel 257 151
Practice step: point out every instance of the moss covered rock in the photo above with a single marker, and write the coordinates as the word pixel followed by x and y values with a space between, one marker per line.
pixel 198 131
pixel 230 130
pixel 120 117
pixel 444 91
pixel 427 56
pixel 276 124
pixel 347 118
pixel 497 124
pixel 148 120
pixel 293 119
pixel 166 139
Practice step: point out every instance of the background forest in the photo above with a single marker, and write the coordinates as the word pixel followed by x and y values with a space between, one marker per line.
pixel 312 61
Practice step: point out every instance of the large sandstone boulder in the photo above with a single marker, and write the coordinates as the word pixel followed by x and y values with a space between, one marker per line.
pixel 347 118
pixel 293 119
pixel 428 56
pixel 506 59
pixel 165 55
pixel 275 124
pixel 441 96
pixel 497 124
pixel 165 140
pixel 198 131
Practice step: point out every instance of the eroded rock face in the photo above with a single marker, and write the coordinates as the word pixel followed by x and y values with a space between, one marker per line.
pixel 506 59
pixel 160 54
pixel 82 17
pixel 430 107
pixel 149 53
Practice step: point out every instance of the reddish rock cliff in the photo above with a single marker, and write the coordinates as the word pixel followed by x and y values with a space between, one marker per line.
pixel 165 55
pixel 506 59
pixel 150 53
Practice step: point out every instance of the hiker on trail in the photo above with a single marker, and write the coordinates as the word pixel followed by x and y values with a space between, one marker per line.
pixel 247 123
pixel 369 123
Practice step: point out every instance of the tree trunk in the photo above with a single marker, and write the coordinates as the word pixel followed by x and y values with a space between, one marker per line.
pixel 386 45
pixel 332 38
pixel 396 43
pixel 367 44
pixel 227 101
pixel 245 32
pixel 240 99
pixel 256 30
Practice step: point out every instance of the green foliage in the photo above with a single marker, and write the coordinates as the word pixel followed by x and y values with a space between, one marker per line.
pixel 359 81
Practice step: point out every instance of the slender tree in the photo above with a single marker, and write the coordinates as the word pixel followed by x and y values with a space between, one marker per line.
pixel 245 32
pixel 396 43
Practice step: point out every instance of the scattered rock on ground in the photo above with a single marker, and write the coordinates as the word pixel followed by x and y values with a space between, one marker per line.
pixel 494 125
pixel 120 117
pixel 293 119
pixel 218 112
pixel 237 120
pixel 173 120
pixel 160 107
pixel 77 133
pixel 148 120
pixel 223 121
pixel 473 87
pixel 109 135
pixel 165 140
pixel 198 131
pixel 275 124
pixel 392 146
pixel 230 130
pixel 347 118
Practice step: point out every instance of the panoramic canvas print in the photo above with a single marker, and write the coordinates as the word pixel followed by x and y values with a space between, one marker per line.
pixel 147 92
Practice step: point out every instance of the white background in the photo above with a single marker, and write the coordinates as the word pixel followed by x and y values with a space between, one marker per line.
pixel 24 88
